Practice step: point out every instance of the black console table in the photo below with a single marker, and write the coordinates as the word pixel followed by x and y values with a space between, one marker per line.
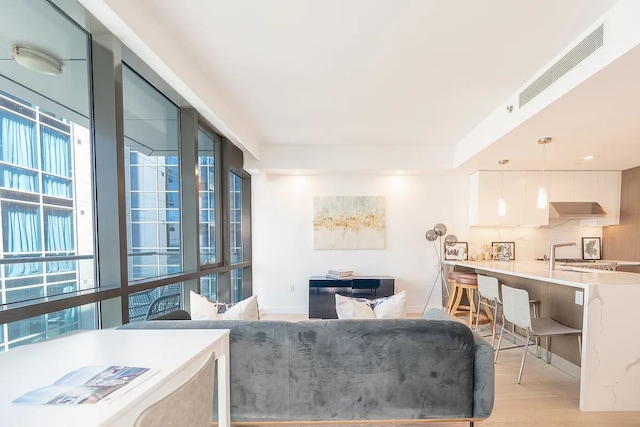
pixel 322 291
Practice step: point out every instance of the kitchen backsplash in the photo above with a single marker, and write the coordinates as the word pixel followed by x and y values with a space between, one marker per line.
pixel 533 242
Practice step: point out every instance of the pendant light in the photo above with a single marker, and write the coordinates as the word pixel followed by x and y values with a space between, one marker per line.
pixel 502 205
pixel 542 190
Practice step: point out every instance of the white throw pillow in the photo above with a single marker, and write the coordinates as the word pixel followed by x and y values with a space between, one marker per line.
pixel 350 308
pixel 392 307
pixel 244 310
pixel 202 308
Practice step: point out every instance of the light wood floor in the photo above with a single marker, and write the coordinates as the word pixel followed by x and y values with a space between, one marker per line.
pixel 546 397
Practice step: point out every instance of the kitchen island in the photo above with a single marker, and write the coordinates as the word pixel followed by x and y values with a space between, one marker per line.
pixel 610 360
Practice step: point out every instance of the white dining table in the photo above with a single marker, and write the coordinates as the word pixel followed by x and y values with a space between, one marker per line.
pixel 172 357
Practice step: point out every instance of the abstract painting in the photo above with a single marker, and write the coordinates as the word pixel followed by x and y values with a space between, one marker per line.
pixel 348 222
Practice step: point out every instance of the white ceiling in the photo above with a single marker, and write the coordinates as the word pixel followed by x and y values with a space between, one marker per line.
pixel 397 73
pixel 600 118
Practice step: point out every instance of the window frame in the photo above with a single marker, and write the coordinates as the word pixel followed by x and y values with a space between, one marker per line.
pixel 106 57
pixel 217 142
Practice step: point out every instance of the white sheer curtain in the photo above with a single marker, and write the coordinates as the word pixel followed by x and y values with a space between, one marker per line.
pixel 18 140
pixel 21 226
pixel 56 159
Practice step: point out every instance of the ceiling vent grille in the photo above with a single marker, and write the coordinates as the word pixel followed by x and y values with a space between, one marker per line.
pixel 586 47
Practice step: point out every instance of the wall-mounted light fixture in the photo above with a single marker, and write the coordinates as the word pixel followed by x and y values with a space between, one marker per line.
pixel 502 205
pixel 542 190
pixel 37 61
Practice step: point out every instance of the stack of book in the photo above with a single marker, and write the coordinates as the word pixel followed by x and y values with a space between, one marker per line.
pixel 340 274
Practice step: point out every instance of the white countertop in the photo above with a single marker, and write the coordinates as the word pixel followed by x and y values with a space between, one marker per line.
pixel 539 270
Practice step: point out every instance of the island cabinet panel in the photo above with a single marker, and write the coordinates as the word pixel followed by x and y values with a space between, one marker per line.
pixel 596 302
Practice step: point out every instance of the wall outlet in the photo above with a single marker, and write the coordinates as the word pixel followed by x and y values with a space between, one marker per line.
pixel 292 288
pixel 579 296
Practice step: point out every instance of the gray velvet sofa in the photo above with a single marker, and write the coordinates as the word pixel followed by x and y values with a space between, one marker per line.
pixel 332 370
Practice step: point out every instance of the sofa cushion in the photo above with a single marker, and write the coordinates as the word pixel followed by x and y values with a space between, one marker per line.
pixel 388 369
pixel 331 370
pixel 484 369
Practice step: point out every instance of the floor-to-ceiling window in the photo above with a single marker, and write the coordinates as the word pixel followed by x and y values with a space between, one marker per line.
pixel 152 179
pixel 110 211
pixel 46 191
pixel 235 208
pixel 208 184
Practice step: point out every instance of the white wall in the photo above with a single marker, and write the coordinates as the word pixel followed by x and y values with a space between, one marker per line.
pixel 283 252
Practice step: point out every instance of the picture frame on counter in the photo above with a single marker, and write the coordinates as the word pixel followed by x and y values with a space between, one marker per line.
pixel 497 248
pixel 591 248
pixel 458 251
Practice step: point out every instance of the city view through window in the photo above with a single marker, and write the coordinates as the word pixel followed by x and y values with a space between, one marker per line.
pixel 111 201
pixel 47 217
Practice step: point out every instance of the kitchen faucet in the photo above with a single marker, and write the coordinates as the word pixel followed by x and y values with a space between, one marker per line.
pixel 552 253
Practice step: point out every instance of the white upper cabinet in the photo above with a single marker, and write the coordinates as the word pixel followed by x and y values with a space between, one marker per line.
pixel 514 194
pixel 533 215
pixel 520 191
pixel 607 193
pixel 485 190
pixel 589 186
pixel 561 187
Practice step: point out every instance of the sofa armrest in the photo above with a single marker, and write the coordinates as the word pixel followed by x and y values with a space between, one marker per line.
pixel 483 369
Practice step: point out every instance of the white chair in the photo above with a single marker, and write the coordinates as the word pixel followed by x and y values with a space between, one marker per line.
pixel 191 404
pixel 488 289
pixel 517 310
pixel 489 296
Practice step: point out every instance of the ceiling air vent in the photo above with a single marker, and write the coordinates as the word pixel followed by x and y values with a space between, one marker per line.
pixel 586 47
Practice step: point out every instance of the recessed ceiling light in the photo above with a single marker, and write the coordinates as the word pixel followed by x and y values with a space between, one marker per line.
pixel 37 61
pixel 297 172
pixel 588 157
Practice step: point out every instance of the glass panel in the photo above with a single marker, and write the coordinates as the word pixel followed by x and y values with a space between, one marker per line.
pixel 57 187
pixel 209 287
pixel 207 176
pixel 15 178
pixel 235 201
pixel 47 326
pixel 151 180
pixel 45 159
pixel 149 304
pixel 236 285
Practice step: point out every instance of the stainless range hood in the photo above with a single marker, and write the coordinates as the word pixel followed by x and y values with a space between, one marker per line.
pixel 575 210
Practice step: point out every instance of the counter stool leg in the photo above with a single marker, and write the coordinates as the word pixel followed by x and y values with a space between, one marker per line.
pixel 473 310
pixel 452 294
pixel 495 358
pixel 495 322
pixel 456 303
pixel 535 311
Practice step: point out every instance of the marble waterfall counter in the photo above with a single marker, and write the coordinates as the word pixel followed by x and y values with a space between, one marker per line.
pixel 610 359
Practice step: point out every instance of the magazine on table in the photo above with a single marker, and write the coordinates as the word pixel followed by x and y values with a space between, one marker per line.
pixel 87 385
